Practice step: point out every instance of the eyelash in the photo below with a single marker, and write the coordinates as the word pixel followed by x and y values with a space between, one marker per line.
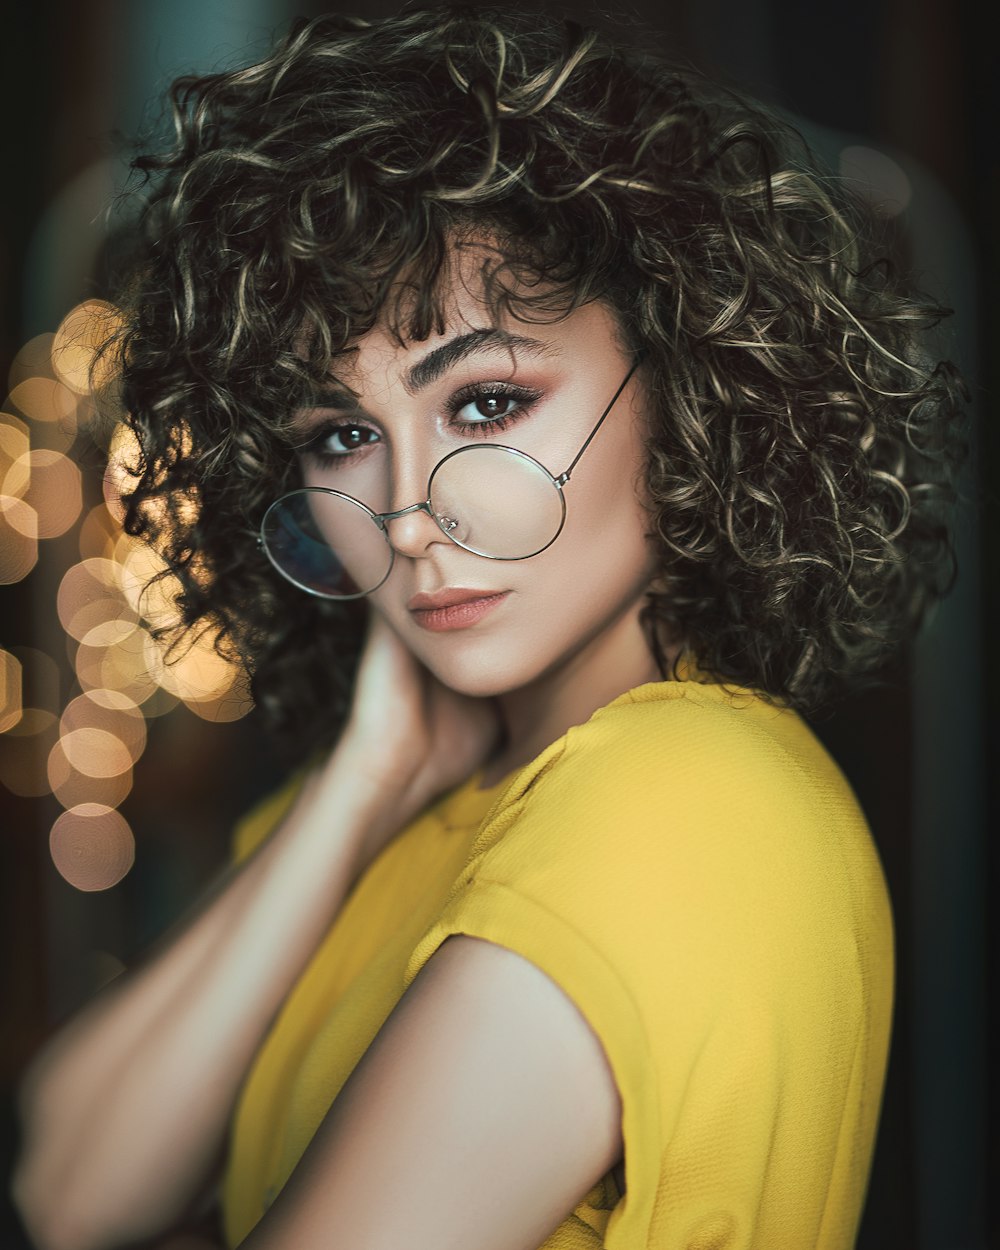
pixel 522 396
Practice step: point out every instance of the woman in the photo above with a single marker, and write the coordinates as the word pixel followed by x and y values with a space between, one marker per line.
pixel 542 429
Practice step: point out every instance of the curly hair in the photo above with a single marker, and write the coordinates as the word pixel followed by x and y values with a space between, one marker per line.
pixel 803 444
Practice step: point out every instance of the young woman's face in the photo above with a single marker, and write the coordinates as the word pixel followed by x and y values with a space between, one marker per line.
pixel 539 388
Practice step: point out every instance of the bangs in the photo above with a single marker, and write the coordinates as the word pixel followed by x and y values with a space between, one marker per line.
pixel 407 289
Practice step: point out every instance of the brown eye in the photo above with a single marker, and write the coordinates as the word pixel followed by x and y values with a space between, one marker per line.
pixel 340 441
pixel 351 437
pixel 492 405
pixel 487 408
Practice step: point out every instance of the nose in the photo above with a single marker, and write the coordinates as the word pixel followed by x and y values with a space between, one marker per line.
pixel 412 529
pixel 408 519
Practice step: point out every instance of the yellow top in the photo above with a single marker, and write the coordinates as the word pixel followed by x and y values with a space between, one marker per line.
pixel 692 868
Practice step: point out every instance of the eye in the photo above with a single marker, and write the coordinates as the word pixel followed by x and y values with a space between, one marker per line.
pixel 335 442
pixel 487 407
pixel 484 409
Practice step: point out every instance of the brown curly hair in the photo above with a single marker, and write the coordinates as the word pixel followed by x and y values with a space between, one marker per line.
pixel 804 445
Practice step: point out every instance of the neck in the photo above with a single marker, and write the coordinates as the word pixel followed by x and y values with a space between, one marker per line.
pixel 568 694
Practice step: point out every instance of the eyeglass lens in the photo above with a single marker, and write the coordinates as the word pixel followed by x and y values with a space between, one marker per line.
pixel 491 500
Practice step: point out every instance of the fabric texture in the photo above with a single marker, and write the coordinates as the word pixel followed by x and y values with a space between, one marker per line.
pixel 694 871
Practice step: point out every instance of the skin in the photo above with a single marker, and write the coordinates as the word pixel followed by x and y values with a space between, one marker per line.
pixel 567 638
pixel 565 641
pixel 485 1089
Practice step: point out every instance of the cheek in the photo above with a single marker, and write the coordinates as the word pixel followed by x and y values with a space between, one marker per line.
pixel 605 508
pixel 603 558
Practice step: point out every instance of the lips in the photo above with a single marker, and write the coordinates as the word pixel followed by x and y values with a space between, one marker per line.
pixel 447 598
pixel 455 607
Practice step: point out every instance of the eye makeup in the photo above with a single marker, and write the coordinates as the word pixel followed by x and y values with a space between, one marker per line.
pixel 495 407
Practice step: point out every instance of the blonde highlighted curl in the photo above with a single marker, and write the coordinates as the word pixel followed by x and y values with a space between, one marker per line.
pixel 804 444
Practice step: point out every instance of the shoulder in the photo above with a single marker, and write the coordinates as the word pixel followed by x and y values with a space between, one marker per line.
pixel 672 760
pixel 677 812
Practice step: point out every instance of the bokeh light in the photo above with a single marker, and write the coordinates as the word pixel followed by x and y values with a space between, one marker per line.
pixel 51 406
pixel 76 342
pixel 54 491
pixel 232 704
pixel 15 473
pixel 41 678
pixel 34 360
pixel 11 687
pixel 95 752
pixel 197 675
pixel 110 603
pixel 108 710
pixel 149 588
pixel 18 539
pixel 110 631
pixel 93 582
pixel 72 786
pixel 99 622
pixel 92 846
pixel 124 458
pixel 159 703
pixel 121 668
pixel 24 753
pixel 98 534
pixel 44 399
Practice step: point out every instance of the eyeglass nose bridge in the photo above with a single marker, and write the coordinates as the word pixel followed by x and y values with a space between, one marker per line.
pixel 445 524
pixel 382 517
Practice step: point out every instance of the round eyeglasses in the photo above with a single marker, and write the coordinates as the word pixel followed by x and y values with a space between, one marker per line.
pixel 492 500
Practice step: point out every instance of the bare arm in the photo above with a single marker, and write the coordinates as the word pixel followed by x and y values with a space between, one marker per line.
pixel 134 1095
pixel 127 1109
pixel 481 1114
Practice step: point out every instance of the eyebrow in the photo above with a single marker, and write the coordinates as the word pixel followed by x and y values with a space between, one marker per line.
pixel 443 358
pixel 437 362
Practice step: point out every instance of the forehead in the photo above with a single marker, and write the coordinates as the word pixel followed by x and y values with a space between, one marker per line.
pixel 480 298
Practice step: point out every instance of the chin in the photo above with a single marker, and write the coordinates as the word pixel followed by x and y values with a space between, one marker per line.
pixel 484 673
pixel 480 682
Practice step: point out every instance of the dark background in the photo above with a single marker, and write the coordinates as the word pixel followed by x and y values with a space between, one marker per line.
pixel 909 80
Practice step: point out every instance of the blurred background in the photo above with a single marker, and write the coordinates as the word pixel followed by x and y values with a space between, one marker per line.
pixel 120 778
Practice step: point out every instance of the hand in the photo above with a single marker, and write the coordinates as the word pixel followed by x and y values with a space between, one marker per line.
pixel 413 735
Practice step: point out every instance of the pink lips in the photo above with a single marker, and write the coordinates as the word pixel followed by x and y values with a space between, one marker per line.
pixel 453 608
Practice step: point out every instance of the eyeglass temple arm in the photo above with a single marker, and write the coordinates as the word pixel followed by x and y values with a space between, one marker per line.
pixel 563 478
